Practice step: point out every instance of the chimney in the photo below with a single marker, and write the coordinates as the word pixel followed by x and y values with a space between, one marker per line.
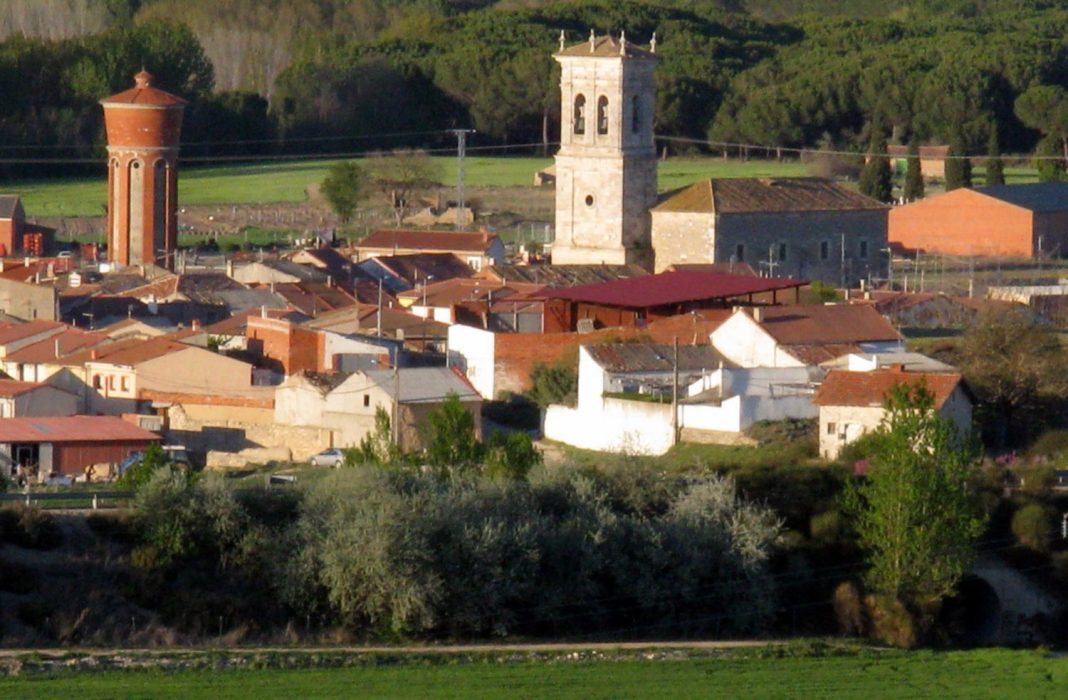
pixel 1 264
pixel 195 324
pixel 229 268
pixel 93 354
pixel 263 311
pixel 758 314
pixel 57 347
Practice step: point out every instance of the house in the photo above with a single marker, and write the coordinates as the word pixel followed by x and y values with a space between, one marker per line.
pixel 790 227
pixel 867 362
pixel 932 160
pixel 853 403
pixel 293 348
pixel 385 325
pixel 16 236
pixel 39 361
pixel 461 300
pixel 1024 221
pixel 24 399
pixel 68 445
pixel 625 392
pixel 18 335
pixel 398 273
pixel 346 405
pixel 638 300
pixel 478 249
pixel 802 335
pixel 496 362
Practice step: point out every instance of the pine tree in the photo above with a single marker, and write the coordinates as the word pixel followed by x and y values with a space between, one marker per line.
pixel 995 167
pixel 958 168
pixel 876 180
pixel 913 175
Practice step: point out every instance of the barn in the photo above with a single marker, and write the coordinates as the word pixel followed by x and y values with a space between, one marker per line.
pixel 68 445
pixel 1021 221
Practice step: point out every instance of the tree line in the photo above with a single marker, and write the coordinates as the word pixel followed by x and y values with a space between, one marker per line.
pixel 325 76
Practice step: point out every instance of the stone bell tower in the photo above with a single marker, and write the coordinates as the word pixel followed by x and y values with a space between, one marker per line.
pixel 143 125
pixel 606 166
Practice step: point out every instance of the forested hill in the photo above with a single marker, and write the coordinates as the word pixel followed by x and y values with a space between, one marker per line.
pixel 336 75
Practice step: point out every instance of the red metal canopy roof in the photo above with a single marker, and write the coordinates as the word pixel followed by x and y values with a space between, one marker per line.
pixel 671 288
pixel 72 429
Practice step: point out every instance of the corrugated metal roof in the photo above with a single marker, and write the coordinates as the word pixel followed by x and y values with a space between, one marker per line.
pixel 563 275
pixel 755 195
pixel 424 384
pixel 653 357
pixel 671 288
pixel 72 429
pixel 842 388
pixel 1038 196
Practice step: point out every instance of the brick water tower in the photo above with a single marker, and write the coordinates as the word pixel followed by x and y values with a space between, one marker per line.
pixel 143 125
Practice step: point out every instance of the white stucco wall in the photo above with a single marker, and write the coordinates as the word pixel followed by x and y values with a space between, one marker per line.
pixel 473 351
pixel 338 344
pixel 743 342
pixel 623 426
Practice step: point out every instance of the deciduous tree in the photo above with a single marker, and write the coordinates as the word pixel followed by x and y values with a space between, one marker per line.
pixel 401 175
pixel 343 188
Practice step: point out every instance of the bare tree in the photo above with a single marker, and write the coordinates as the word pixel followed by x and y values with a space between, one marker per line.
pixel 401 175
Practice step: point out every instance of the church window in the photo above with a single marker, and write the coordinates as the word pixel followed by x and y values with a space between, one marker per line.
pixel 782 252
pixel 862 251
pixel 739 253
pixel 580 114
pixel 825 250
pixel 602 115
pixel 635 114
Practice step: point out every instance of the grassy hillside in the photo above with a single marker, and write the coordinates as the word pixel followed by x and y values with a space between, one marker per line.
pixel 289 181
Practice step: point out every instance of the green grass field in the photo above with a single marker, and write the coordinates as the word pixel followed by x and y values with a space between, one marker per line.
pixel 872 674
pixel 288 181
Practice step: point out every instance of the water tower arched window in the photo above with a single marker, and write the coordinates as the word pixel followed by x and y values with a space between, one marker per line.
pixel 602 115
pixel 579 118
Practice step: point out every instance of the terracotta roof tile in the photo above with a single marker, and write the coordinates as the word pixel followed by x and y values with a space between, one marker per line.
pixel 784 194
pixel 843 388
pixel 69 341
pixel 17 331
pixel 11 387
pixel 430 241
pixel 834 324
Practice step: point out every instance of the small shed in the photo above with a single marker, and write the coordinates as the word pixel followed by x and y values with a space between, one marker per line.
pixel 68 445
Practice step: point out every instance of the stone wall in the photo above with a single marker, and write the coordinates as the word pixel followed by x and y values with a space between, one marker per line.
pixel 233 429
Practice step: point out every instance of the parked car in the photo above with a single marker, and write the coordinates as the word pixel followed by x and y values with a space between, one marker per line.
pixel 332 457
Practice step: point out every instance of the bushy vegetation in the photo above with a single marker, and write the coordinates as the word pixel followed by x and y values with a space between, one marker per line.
pixel 414 555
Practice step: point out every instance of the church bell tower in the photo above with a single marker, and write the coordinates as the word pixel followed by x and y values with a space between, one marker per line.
pixel 606 166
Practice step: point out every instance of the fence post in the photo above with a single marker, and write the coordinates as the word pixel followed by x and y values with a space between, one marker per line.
pixel 94 501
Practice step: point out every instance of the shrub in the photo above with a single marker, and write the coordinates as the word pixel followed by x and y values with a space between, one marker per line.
pixel 1051 443
pixel 1032 526
pixel 510 456
pixel 892 622
pixel 556 383
pixel 29 526
pixel 141 471
pixel 827 526
pixel 16 578
pixel 849 609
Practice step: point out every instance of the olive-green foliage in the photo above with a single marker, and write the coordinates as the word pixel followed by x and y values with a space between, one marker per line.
pixel 343 188
pixel 876 180
pixel 510 456
pixel 958 168
pixel 917 513
pixel 556 383
pixel 995 166
pixel 913 175
pixel 823 292
pixel 1033 526
pixel 141 471
pixel 451 439
pixel 376 447
pixel 406 553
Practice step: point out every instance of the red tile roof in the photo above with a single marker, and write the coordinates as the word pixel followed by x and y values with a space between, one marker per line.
pixel 17 331
pixel 843 388
pixel 45 350
pixel 671 288
pixel 440 241
pixel 72 429
pixel 814 324
pixel 144 94
pixel 131 351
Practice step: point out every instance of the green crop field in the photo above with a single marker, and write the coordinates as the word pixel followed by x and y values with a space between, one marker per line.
pixel 288 181
pixel 870 674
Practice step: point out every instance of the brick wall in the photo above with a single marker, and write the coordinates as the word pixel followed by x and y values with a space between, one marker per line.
pixel 294 348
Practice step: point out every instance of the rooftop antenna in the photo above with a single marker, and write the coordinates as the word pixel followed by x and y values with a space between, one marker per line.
pixel 563 39
pixel 461 151
pixel 652 43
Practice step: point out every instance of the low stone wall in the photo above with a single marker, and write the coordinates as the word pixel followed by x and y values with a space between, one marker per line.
pixel 204 429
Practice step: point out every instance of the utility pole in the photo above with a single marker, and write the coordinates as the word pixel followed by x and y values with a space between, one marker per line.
pixel 675 392
pixel 378 322
pixel 461 151
pixel 841 268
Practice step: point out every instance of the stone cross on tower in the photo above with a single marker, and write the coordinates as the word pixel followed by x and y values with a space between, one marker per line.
pixel 606 166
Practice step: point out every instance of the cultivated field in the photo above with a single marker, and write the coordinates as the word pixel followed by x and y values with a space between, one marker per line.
pixel 587 675
pixel 288 182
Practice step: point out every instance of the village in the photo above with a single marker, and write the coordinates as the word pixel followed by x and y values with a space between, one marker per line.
pixel 651 321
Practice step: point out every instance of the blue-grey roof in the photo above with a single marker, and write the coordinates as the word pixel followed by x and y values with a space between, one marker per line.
pixel 424 384
pixel 1038 197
